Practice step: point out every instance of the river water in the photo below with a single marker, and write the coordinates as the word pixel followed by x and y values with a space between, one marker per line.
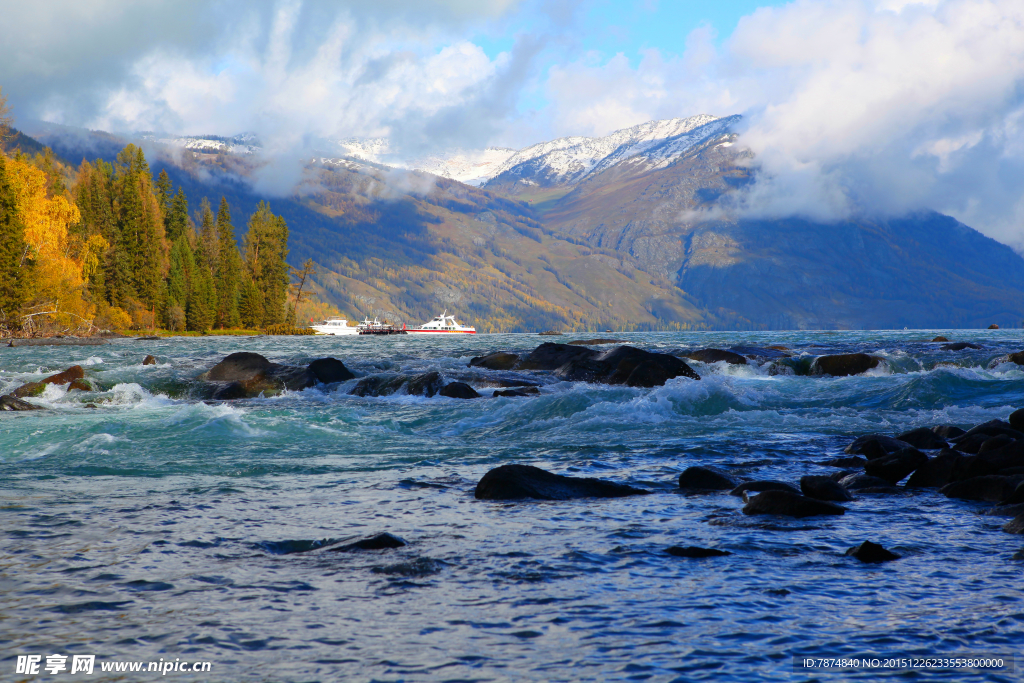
pixel 151 526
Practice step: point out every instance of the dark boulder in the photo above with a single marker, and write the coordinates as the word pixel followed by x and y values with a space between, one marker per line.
pixel 959 346
pixel 231 391
pixel 12 403
pixel 1017 358
pixel 241 366
pixel 850 461
pixel 874 446
pixel 895 466
pixel 844 364
pixel 789 504
pixel 625 365
pixel 996 461
pixel 970 443
pixel 522 391
pixel 458 390
pixel 940 339
pixel 514 482
pixel 499 360
pixel 823 488
pixel 66 377
pixel 991 488
pixel 705 478
pixel 948 431
pixel 866 483
pixel 935 473
pixel 992 428
pixel 378 542
pixel 1015 498
pixel 872 553
pixel 695 552
pixel 29 390
pixel 762 485
pixel 715 356
pixel 426 384
pixel 149 360
pixel 1017 420
pixel 551 356
pixel 923 438
pixel 995 443
pixel 1015 525
pixel 993 326
pixel 329 371
pixel 80 385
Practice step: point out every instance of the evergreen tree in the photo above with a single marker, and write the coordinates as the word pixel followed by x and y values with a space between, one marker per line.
pixel 13 270
pixel 163 190
pixel 138 257
pixel 176 218
pixel 202 302
pixel 228 271
pixel 207 243
pixel 266 248
pixel 250 305
pixel 181 266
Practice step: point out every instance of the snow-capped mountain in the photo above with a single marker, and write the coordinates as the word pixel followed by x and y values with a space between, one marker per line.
pixel 245 143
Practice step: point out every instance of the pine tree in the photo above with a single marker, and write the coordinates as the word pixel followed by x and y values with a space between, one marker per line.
pixel 266 248
pixel 228 271
pixel 202 302
pixel 250 305
pixel 163 190
pixel 181 265
pixel 13 265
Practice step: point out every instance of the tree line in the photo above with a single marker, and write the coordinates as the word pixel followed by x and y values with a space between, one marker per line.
pixel 104 245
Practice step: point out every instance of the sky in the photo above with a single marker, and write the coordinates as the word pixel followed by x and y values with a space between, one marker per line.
pixel 851 107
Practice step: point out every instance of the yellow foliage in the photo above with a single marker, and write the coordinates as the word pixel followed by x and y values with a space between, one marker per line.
pixel 58 276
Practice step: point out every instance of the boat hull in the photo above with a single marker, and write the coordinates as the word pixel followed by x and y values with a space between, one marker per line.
pixel 342 332
pixel 441 331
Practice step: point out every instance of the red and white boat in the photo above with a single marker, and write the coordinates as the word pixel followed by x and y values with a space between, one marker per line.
pixel 442 324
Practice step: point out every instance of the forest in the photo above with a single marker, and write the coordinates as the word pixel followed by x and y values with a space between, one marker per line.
pixel 105 247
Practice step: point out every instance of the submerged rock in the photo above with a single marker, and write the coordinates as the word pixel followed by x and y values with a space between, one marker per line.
pixel 241 366
pixel 1017 358
pixel 845 364
pixel 940 339
pixel 762 485
pixel 948 431
pixel 515 482
pixel 149 360
pixel 80 385
pixel 594 342
pixel 852 461
pixel 923 438
pixel 705 478
pixel 426 384
pixel 872 553
pixel 789 505
pixel 458 390
pixel 1015 525
pixel 866 484
pixel 894 467
pixel 521 391
pixel 551 356
pixel 695 552
pixel 716 355
pixel 1017 420
pixel 329 371
pixel 11 403
pixel 378 542
pixel 766 353
pixel 29 390
pixel 248 375
pixel 823 488
pixel 959 346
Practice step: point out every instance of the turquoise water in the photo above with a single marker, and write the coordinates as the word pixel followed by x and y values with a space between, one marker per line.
pixel 141 529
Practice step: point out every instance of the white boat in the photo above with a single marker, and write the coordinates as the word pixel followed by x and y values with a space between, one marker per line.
pixel 336 327
pixel 442 324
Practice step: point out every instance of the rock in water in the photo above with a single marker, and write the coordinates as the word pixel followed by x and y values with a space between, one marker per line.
pixel 823 488
pixel 856 482
pixel 935 473
pixel 843 365
pixel 427 384
pixel 895 466
pixel 959 346
pixel 66 377
pixel 1015 525
pixel 551 356
pixel 948 431
pixel 329 371
pixel 458 390
pixel 762 485
pixel 993 326
pixel 29 390
pixel 594 342
pixel 874 446
pixel 1017 358
pixel 940 339
pixel 872 553
pixel 498 360
pixel 515 482
pixel 716 355
pixel 378 542
pixel 705 478
pixel 1017 420
pixel 149 360
pixel 80 385
pixel 11 403
pixel 991 488
pixel 626 365
pixel 241 366
pixel 695 552
pixel 523 391
pixel 789 505
pixel 924 438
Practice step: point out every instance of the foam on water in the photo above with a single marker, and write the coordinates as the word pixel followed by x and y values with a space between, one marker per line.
pixel 153 524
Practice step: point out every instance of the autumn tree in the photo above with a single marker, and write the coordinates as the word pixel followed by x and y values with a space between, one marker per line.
pixel 13 280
